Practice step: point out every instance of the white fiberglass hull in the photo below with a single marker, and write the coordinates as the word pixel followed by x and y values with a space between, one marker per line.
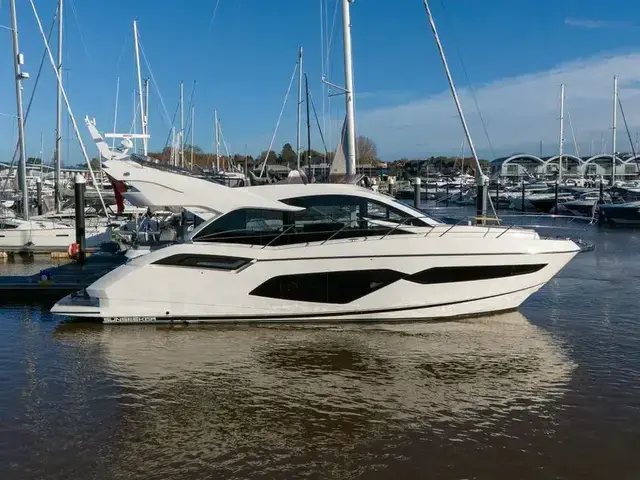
pixel 48 235
pixel 425 279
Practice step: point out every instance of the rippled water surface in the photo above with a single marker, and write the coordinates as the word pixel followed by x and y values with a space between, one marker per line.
pixel 550 392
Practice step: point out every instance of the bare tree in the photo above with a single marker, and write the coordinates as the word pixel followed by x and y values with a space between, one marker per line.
pixel 367 150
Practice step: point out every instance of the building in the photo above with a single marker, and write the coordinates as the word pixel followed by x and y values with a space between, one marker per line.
pixel 524 165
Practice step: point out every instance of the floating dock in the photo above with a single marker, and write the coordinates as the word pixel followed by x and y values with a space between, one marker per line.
pixel 10 252
pixel 51 284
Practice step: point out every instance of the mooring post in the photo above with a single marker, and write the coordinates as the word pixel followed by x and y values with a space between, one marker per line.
pixel 480 200
pixel 80 186
pixel 497 204
pixel 39 194
pixel 555 199
pixel 183 225
pixel 391 182
pixel 446 195
pixel 523 195
pixel 601 191
pixel 416 192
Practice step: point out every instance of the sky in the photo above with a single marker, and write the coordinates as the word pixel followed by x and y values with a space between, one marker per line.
pixel 507 57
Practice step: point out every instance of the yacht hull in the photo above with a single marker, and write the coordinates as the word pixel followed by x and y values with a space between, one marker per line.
pixel 30 236
pixel 426 284
pixel 624 214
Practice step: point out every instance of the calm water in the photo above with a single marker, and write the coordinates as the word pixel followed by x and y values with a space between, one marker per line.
pixel 550 392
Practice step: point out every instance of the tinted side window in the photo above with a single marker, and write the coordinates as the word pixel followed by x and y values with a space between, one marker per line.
pixel 471 273
pixel 327 287
pixel 252 226
pixel 348 209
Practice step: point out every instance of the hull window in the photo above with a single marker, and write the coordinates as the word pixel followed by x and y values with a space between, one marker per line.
pixel 470 274
pixel 204 261
pixel 343 287
pixel 327 287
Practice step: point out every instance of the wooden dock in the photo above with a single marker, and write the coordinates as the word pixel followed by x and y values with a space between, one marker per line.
pixel 51 284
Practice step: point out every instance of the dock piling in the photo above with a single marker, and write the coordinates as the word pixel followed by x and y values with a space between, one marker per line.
pixel 39 194
pixel 480 210
pixel 80 186
pixel 416 192
pixel 555 199
pixel 523 195
pixel 391 182
pixel 601 191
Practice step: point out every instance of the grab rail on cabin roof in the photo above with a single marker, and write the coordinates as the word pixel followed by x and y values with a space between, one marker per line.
pixel 288 229
pixel 281 234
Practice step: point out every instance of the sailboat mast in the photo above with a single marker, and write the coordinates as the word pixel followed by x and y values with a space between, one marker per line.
pixel 193 119
pixel 454 93
pixel 143 119
pixel 299 108
pixel 18 60
pixel 182 124
pixel 217 132
pixel 561 143
pixel 306 84
pixel 172 159
pixel 115 113
pixel 349 94
pixel 41 156
pixel 615 126
pixel 146 109
pixel 57 165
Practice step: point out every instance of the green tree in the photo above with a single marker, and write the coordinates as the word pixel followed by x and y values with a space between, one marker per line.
pixel 34 160
pixel 196 149
pixel 288 155
pixel 95 163
pixel 271 157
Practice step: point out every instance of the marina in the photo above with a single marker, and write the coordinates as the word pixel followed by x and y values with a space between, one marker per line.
pixel 518 395
pixel 170 310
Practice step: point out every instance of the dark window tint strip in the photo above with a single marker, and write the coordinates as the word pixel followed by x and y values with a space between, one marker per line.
pixel 327 287
pixel 471 273
pixel 204 261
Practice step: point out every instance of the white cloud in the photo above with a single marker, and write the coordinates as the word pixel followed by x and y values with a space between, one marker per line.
pixel 596 24
pixel 519 112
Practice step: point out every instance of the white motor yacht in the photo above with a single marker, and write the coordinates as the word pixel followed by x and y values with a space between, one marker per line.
pixel 308 253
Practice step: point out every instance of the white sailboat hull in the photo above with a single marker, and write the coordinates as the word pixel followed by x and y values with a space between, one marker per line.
pixel 48 236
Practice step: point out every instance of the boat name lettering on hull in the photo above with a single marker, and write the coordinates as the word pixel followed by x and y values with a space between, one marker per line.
pixel 129 319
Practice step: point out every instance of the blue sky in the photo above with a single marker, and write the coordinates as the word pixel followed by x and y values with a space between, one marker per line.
pixel 515 53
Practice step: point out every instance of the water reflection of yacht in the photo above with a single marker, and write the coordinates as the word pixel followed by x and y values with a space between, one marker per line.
pixel 218 397
pixel 403 368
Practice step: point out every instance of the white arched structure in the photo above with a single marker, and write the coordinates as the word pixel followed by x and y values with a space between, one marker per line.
pixel 518 166
pixel 571 165
pixel 601 165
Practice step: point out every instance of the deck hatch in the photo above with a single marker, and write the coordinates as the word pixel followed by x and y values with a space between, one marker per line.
pixel 215 262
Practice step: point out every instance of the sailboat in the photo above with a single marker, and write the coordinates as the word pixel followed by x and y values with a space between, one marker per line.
pixel 36 234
